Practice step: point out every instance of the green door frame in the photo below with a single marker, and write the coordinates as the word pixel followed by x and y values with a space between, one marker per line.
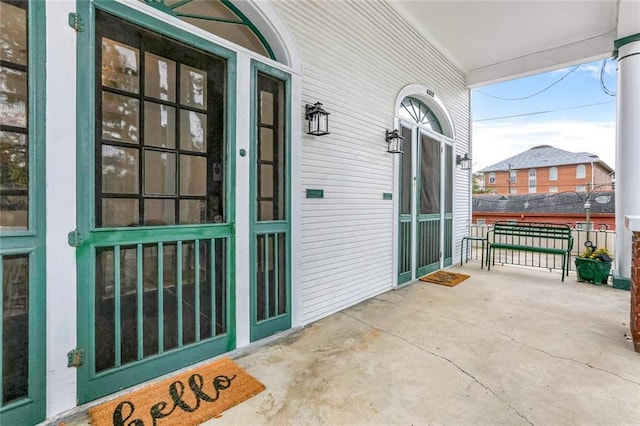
pixel 408 239
pixel 269 326
pixel 90 384
pixel 31 242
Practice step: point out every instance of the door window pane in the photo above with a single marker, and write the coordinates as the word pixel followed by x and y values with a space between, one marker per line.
pixel 13 37
pixel 193 87
pixel 13 92
pixel 193 175
pixel 119 170
pixel 159 173
pixel 120 66
pixel 159 77
pixel 15 327
pixel 120 118
pixel 429 176
pixel 120 212
pixel 406 172
pixel 266 144
pixel 193 130
pixel 159 212
pixel 266 107
pixel 192 211
pixel 159 125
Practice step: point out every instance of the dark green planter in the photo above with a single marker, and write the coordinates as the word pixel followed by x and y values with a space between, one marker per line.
pixel 592 270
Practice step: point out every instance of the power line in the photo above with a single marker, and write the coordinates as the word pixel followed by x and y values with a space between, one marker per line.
pixel 534 94
pixel 544 112
pixel 602 85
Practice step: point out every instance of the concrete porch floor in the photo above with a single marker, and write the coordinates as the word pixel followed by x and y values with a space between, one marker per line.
pixel 510 346
pixel 513 346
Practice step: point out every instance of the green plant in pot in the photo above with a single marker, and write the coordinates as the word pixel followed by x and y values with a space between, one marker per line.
pixel 593 264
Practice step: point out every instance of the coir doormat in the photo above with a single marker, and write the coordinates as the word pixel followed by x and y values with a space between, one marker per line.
pixel 449 279
pixel 187 399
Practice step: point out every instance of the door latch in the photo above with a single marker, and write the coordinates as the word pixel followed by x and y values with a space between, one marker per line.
pixel 75 358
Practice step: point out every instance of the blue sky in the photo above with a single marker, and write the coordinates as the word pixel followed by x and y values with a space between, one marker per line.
pixel 584 129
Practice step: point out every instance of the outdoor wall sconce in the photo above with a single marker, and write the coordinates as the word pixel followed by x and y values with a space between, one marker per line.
pixel 463 162
pixel 394 141
pixel 318 119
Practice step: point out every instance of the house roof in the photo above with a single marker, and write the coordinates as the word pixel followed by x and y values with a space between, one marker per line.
pixel 602 202
pixel 545 156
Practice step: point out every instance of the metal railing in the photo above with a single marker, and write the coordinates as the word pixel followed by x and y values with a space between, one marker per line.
pixel 599 238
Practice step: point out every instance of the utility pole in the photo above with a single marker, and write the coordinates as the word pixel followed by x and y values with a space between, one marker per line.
pixel 509 177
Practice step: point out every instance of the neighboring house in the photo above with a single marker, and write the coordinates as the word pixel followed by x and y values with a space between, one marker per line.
pixel 545 169
pixel 566 207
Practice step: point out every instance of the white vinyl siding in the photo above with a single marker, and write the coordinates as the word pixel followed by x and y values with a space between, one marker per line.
pixel 357 57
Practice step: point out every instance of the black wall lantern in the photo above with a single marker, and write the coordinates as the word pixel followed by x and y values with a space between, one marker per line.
pixel 463 162
pixel 318 119
pixel 394 141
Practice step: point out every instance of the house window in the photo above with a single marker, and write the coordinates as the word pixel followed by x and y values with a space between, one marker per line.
pixel 417 111
pixel 553 189
pixel 513 191
pixel 532 180
pixel 581 171
pixel 492 177
pixel 581 188
pixel 553 173
pixel 513 176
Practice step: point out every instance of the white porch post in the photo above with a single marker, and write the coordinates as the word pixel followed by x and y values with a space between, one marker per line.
pixel 627 147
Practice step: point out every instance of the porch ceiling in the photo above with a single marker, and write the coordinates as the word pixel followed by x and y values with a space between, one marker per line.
pixel 493 41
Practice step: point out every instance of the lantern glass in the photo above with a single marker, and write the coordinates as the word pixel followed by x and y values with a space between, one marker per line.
pixel 394 141
pixel 318 120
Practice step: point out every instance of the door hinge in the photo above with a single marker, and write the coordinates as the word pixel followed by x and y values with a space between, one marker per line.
pixel 74 238
pixel 75 357
pixel 76 22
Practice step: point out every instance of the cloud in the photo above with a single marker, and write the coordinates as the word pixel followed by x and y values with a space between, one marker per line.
pixel 593 69
pixel 495 142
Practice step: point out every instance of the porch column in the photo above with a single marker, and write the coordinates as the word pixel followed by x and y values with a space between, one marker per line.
pixel 633 225
pixel 627 147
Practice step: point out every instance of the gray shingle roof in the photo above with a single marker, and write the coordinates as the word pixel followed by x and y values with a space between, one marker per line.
pixel 544 156
pixel 562 202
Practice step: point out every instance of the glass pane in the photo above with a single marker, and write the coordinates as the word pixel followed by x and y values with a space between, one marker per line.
pixel 119 212
pixel 193 175
pixel 14 211
pixel 193 131
pixel 266 144
pixel 266 180
pixel 214 9
pixel 159 77
pixel 129 304
pixel 105 321
pixel 120 118
pixel 193 87
pixel 159 212
pixel 120 170
pixel 120 66
pixel 14 152
pixel 13 93
pixel 159 125
pixel 188 292
pixel 13 34
pixel 266 107
pixel 239 34
pixel 15 326
pixel 407 177
pixel 429 176
pixel 159 173
pixel 192 211
pixel 170 305
pixel 265 212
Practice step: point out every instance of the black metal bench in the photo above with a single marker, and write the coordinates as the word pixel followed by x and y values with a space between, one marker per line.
pixel 551 238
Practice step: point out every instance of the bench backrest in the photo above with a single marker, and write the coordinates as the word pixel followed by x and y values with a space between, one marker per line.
pixel 532 233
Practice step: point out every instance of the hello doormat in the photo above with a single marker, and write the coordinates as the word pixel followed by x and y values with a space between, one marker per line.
pixel 449 279
pixel 187 399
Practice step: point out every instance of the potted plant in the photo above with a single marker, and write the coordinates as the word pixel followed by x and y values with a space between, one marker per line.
pixel 593 265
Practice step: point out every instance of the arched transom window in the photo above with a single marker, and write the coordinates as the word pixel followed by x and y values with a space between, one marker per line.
pixel 417 111
pixel 219 17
